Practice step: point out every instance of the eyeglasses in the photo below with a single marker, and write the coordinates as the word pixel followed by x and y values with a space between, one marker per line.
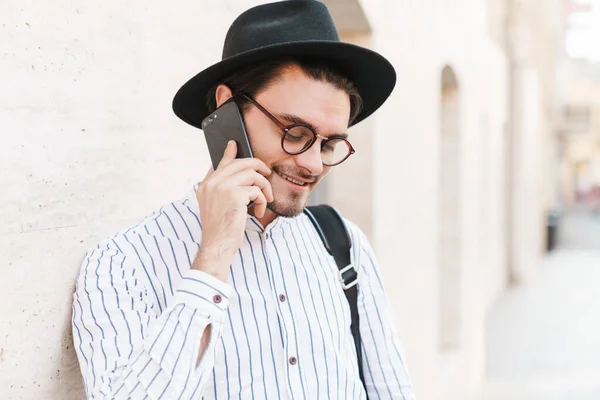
pixel 297 138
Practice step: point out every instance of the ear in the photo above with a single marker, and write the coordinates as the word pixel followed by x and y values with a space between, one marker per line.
pixel 222 94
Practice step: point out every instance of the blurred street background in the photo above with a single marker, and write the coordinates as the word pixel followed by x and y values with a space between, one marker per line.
pixel 478 182
pixel 542 337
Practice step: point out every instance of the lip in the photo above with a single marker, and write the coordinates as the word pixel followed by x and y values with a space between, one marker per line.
pixel 293 185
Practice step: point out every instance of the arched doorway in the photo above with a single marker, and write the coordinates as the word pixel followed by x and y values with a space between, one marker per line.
pixel 449 212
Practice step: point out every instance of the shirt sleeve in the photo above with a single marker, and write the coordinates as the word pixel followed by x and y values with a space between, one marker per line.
pixel 385 371
pixel 127 349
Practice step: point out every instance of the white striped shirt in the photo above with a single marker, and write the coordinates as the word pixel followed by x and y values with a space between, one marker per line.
pixel 280 327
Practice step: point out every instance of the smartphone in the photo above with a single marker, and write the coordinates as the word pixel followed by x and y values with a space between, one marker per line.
pixel 224 124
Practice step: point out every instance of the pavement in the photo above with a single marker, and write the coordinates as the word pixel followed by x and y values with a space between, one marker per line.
pixel 543 339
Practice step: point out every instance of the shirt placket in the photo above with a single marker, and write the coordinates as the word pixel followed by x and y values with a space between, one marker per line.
pixel 291 362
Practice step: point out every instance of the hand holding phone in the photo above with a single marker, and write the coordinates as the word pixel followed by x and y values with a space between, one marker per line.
pixel 222 197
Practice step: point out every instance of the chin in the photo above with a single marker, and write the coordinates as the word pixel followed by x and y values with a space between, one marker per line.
pixel 288 209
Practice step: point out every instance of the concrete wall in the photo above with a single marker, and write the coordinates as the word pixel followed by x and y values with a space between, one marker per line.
pixel 533 47
pixel 90 144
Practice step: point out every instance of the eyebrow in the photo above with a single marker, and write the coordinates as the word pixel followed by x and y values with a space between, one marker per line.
pixel 294 119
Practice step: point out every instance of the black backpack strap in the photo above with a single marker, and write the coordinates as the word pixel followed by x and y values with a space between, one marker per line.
pixel 335 237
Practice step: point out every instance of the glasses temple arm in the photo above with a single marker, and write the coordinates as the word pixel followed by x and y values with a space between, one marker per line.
pixel 264 111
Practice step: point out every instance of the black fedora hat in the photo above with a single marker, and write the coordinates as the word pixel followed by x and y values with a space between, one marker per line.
pixel 291 28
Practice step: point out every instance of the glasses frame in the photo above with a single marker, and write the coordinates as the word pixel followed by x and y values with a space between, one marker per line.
pixel 286 128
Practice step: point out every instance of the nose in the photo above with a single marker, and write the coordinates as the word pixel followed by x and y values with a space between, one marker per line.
pixel 311 159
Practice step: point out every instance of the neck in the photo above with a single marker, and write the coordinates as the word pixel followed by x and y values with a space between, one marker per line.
pixel 266 219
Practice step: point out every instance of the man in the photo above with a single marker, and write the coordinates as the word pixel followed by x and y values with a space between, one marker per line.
pixel 208 298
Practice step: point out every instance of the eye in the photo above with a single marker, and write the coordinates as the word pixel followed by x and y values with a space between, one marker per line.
pixel 293 137
pixel 329 147
pixel 299 134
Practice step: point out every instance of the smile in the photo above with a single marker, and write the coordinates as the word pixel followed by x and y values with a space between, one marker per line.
pixel 299 183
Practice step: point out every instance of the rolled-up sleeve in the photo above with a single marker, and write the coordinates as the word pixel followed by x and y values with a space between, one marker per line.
pixel 127 349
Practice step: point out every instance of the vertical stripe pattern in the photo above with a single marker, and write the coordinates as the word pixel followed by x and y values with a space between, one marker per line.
pixel 279 328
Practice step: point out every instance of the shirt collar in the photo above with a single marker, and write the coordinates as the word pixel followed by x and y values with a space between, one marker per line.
pixel 252 224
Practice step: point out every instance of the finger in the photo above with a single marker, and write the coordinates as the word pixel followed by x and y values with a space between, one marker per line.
pixel 229 154
pixel 237 165
pixel 209 173
pixel 253 178
pixel 260 202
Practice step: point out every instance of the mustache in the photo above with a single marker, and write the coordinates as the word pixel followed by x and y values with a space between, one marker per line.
pixel 295 172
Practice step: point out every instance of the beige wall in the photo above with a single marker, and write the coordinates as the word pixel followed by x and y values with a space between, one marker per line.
pixel 90 144
pixel 532 46
pixel 406 152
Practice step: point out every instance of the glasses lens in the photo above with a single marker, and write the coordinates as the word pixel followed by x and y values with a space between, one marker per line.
pixel 335 151
pixel 298 139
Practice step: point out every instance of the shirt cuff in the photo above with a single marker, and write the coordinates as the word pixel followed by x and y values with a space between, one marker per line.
pixel 202 291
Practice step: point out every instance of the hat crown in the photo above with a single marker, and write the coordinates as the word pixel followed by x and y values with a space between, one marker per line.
pixel 296 29
pixel 278 23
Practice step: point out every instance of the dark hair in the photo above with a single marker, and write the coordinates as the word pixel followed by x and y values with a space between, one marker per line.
pixel 257 77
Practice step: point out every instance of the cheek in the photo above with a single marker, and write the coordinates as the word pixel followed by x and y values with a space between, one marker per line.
pixel 271 153
pixel 266 146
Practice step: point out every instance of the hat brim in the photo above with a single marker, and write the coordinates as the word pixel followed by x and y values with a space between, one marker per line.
pixel 372 74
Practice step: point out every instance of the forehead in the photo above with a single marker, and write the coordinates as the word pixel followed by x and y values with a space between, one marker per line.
pixel 317 102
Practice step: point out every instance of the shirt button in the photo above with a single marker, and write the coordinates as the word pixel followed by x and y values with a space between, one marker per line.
pixel 217 298
pixel 267 236
pixel 293 360
pixel 282 297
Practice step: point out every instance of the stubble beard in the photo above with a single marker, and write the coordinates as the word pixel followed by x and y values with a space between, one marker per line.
pixel 295 202
pixel 292 207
